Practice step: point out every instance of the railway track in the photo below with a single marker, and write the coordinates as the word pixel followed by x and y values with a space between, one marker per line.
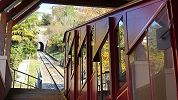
pixel 53 75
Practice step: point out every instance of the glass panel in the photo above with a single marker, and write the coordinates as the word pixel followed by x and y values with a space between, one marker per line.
pixel 161 60
pixel 105 65
pixel 80 65
pixel 121 47
pixel 93 37
pixel 92 45
pixel 67 50
pixel 99 80
pixel 84 63
pixel 140 72
pixel 73 55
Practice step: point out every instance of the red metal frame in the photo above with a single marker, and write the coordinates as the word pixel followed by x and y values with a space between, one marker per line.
pixel 89 59
pixel 173 15
pixel 111 19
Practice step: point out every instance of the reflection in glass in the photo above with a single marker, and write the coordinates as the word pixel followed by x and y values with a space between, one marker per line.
pixel 103 72
pixel 140 72
pixel 83 63
pixel 67 51
pixel 161 60
pixel 73 55
pixel 99 80
pixel 105 66
pixel 121 48
pixel 81 68
pixel 92 45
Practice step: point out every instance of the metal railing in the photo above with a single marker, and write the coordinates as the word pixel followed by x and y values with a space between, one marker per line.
pixel 28 85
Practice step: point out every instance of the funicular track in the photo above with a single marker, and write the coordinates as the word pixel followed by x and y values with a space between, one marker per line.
pixel 53 71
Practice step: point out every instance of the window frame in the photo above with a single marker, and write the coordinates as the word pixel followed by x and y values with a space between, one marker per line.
pixel 120 82
pixel 82 80
pixel 140 39
pixel 100 65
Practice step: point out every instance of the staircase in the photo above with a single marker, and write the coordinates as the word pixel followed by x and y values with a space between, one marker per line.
pixel 34 94
pixel 26 91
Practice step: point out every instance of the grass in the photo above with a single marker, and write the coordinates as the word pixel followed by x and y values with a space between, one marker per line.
pixel 34 66
pixel 56 55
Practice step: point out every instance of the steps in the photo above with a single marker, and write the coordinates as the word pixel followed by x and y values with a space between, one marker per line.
pixel 34 94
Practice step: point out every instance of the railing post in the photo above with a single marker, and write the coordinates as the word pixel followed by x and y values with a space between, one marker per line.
pixel 28 82
pixel 20 85
pixel 14 79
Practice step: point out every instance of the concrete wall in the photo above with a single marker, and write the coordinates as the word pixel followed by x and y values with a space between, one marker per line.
pixel 5 77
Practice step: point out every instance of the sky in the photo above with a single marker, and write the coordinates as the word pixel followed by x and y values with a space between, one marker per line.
pixel 46 8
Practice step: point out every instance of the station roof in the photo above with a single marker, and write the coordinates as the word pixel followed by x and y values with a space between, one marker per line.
pixel 17 10
pixel 91 3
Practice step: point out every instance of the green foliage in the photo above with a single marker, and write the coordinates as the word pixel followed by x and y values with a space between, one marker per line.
pixel 105 57
pixel 45 19
pixel 34 66
pixel 55 46
pixel 24 39
pixel 64 18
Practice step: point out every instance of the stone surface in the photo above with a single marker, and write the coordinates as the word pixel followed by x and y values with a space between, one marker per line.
pixel 35 94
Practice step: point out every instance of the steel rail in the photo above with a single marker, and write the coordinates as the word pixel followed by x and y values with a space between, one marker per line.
pixel 49 72
pixel 53 66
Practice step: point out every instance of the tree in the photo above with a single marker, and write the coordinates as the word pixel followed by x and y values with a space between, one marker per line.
pixel 46 19
pixel 64 18
pixel 24 39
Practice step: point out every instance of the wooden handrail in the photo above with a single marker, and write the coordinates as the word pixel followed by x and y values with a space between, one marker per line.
pixel 25 73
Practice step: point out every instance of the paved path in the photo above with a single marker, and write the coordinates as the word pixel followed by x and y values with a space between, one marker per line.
pixel 34 94
pixel 23 67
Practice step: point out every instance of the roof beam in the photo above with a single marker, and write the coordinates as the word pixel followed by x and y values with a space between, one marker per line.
pixel 12 5
pixel 3 24
pixel 4 4
pixel 89 3
pixel 21 8
pixel 26 14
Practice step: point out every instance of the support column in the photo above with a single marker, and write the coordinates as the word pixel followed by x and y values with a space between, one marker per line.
pixel 89 60
pixel 3 24
pixel 173 15
pixel 76 63
pixel 8 40
pixel 3 59
pixel 113 56
pixel 7 47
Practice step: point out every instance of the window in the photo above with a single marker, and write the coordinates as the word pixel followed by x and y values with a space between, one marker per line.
pixel 140 71
pixel 93 37
pixel 153 74
pixel 121 48
pixel 67 49
pixel 73 59
pixel 83 63
pixel 161 59
pixel 93 68
pixel 80 65
pixel 103 72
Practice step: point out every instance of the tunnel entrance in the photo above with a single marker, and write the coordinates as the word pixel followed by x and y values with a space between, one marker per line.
pixel 40 46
